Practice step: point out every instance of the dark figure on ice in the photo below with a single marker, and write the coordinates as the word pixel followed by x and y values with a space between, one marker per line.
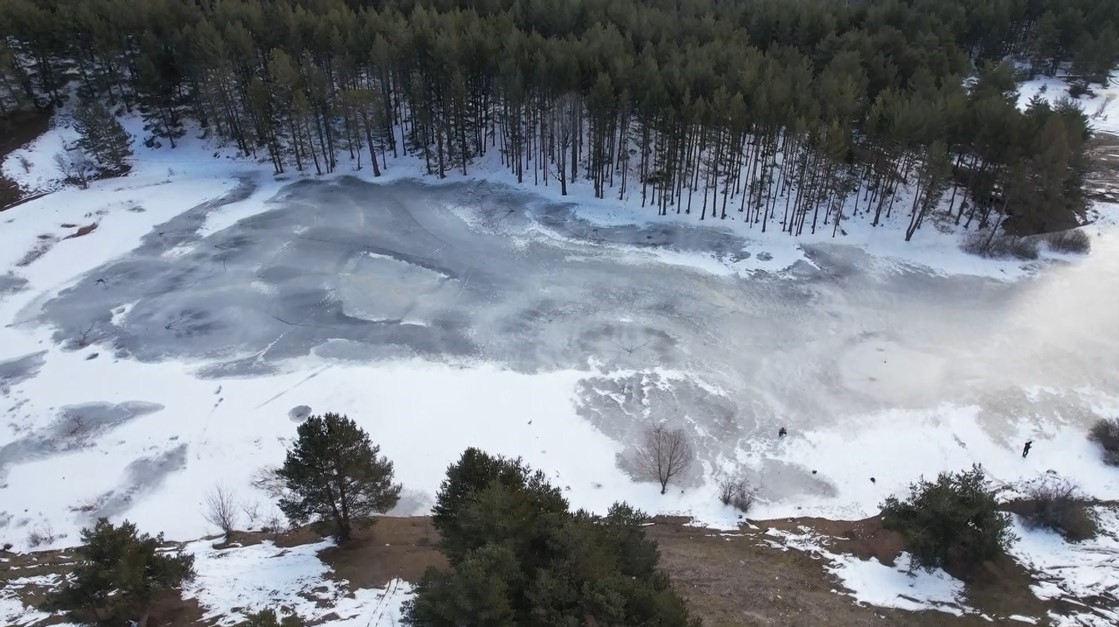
pixel 782 433
pixel 1026 448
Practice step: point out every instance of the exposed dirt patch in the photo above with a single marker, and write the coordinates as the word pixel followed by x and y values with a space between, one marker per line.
pixel 171 611
pixel 742 579
pixel 728 578
pixel 82 231
pixel 739 579
pixel 1102 180
pixel 401 548
pixel 16 130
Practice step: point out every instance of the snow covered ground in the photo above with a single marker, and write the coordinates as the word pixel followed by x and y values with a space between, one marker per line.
pixel 1070 572
pixel 872 583
pixel 1074 571
pixel 164 352
pixel 1101 105
pixel 235 582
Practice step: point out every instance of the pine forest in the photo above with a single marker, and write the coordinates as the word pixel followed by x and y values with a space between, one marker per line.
pixel 790 115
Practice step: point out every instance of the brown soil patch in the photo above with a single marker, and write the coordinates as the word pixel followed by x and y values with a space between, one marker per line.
pixel 743 579
pixel 739 579
pixel 23 565
pixel 85 230
pixel 171 611
pixel 392 548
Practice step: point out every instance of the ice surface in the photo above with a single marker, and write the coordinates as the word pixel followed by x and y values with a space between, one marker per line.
pixel 458 315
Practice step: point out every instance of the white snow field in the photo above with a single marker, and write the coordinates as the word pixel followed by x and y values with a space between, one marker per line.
pixel 175 347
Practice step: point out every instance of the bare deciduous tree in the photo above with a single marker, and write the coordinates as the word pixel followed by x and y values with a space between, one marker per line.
pixel 266 480
pixel 737 493
pixel 76 167
pixel 664 454
pixel 220 509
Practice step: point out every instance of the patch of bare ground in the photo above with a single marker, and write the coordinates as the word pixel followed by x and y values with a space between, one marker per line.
pixel 739 578
pixel 46 242
pixel 742 577
pixel 18 129
pixel 44 566
pixel 1102 179
pixel 747 578
pixel 393 548
pixel 83 231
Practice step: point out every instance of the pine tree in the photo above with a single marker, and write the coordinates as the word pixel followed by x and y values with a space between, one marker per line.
pixel 267 618
pixel 102 137
pixel 120 574
pixel 333 473
pixel 474 472
pixel 519 557
pixel 954 518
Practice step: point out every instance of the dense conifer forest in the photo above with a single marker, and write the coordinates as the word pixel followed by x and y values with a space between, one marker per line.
pixel 783 111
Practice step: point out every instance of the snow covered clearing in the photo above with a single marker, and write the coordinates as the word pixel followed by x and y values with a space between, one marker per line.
pixel 164 352
pixel 232 583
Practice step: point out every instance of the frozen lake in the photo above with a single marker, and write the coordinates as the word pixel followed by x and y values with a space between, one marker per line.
pixel 876 367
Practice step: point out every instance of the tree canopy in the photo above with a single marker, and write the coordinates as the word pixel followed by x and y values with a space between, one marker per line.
pixel 333 473
pixel 519 557
pixel 953 521
pixel 120 573
pixel 783 111
pixel 102 138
